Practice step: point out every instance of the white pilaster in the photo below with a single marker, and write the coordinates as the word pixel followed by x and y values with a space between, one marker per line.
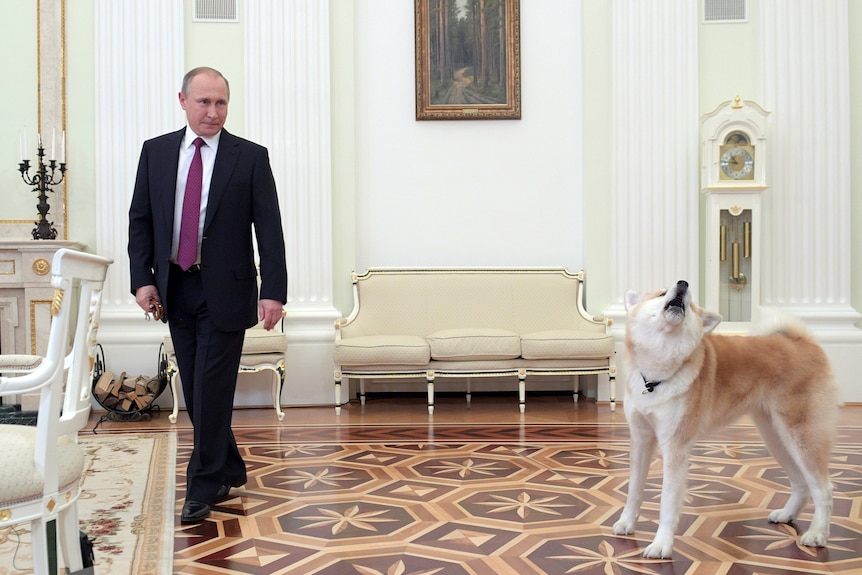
pixel 287 110
pixel 654 147
pixel 52 103
pixel 804 69
pixel 139 67
pixel 139 49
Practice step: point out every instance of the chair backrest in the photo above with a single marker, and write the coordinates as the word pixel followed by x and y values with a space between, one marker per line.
pixel 78 279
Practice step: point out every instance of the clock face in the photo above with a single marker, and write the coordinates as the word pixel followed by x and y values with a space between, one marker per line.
pixel 737 163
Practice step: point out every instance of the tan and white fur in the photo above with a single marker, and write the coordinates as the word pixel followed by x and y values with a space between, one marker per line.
pixel 700 381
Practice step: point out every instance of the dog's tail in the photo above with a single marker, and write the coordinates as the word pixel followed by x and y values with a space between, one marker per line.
pixel 773 321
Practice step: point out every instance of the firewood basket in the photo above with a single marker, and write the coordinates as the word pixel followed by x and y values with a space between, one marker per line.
pixel 124 398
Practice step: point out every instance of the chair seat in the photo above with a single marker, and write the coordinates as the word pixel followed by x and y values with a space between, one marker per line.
pixel 20 481
pixel 261 341
pixel 256 341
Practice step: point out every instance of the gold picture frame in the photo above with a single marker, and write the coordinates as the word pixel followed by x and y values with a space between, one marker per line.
pixel 468 60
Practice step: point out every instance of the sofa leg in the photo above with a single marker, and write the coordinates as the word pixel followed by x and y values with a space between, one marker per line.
pixel 337 393
pixel 469 391
pixel 522 390
pixel 612 380
pixel 429 377
pixel 362 391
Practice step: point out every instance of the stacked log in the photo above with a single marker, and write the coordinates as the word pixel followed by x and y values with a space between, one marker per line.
pixel 126 394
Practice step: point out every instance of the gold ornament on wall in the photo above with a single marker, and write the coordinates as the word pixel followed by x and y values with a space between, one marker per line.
pixel 41 267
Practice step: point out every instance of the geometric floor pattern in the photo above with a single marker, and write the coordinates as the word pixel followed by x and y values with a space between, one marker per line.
pixel 530 499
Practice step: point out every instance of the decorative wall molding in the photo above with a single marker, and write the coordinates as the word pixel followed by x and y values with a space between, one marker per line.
pixel 8 323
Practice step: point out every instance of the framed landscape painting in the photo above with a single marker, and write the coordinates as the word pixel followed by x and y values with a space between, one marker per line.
pixel 468 60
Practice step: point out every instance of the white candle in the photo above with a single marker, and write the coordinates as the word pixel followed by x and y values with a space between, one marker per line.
pixel 25 143
pixel 53 144
pixel 63 148
pixel 21 146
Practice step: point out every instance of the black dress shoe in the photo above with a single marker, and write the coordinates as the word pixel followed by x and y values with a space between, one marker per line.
pixel 222 493
pixel 224 489
pixel 195 512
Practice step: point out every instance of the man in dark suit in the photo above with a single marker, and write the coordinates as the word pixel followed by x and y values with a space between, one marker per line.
pixel 198 195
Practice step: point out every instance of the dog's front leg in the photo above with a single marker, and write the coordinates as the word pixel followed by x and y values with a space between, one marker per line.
pixel 642 448
pixel 673 488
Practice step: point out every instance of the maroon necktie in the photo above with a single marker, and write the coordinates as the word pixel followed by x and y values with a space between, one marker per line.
pixel 187 252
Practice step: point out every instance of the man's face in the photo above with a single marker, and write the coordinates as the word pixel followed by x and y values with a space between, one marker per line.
pixel 206 104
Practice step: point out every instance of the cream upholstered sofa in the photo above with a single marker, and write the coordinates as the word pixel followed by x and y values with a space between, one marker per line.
pixel 466 323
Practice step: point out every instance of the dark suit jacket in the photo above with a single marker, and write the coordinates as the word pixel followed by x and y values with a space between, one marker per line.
pixel 242 193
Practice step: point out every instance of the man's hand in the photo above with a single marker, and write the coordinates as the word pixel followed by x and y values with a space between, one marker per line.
pixel 148 299
pixel 269 311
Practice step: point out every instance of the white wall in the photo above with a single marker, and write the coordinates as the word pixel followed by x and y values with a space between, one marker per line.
pixel 483 193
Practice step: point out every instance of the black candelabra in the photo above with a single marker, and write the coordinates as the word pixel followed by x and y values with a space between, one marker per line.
pixel 41 182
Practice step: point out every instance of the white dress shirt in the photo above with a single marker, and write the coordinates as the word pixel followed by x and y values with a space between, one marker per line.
pixel 187 152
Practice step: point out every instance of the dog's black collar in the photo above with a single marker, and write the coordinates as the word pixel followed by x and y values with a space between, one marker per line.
pixel 650 385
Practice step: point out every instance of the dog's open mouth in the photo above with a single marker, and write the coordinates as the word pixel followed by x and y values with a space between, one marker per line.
pixel 676 305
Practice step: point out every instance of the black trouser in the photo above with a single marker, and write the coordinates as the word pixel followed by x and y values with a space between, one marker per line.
pixel 208 360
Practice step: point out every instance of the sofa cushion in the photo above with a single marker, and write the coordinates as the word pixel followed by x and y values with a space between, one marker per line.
pixel 382 349
pixel 474 344
pixel 566 344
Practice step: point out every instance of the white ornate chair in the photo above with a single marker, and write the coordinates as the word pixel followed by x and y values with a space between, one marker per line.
pixel 261 350
pixel 41 467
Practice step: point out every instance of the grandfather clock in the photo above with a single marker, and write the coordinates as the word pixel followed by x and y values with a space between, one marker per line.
pixel 734 161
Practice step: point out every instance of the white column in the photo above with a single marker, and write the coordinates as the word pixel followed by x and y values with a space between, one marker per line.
pixel 139 67
pixel 654 151
pixel 804 69
pixel 139 53
pixel 288 111
pixel 654 147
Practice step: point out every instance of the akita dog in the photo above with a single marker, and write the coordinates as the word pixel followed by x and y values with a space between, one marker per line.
pixel 684 382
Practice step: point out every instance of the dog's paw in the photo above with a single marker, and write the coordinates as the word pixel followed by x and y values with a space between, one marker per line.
pixel 812 538
pixel 658 550
pixel 780 516
pixel 624 527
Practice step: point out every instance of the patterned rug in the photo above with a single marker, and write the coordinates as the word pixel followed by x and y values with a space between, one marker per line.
pixel 126 505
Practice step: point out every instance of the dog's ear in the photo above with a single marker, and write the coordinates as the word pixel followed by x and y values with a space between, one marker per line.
pixel 710 320
pixel 632 299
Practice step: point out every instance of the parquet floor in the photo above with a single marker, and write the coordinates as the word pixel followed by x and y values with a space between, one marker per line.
pixel 387 490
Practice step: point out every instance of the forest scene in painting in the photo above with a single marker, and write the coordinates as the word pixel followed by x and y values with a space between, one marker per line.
pixel 467 52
